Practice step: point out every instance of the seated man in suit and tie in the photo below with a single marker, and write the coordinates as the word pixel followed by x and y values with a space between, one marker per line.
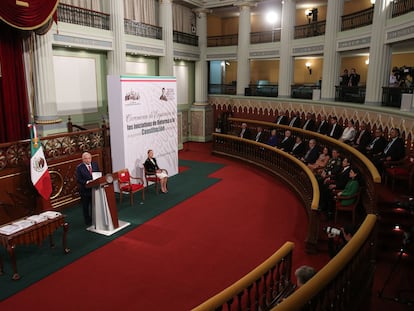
pixel 312 154
pixel 376 145
pixel 287 142
pixel 323 126
pixel 394 151
pixel 260 135
pixel 83 176
pixel 299 148
pixel 282 119
pixel 363 138
pixel 335 130
pixel 295 121
pixel 245 132
pixel 309 124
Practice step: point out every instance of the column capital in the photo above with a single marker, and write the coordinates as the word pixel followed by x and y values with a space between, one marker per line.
pixel 199 12
pixel 245 4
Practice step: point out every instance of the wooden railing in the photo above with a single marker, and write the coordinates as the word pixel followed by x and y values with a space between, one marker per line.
pixel 312 29
pixel 400 7
pixel 265 36
pixel 225 40
pixel 81 16
pixel 358 19
pixel 345 282
pixel 258 289
pixel 185 38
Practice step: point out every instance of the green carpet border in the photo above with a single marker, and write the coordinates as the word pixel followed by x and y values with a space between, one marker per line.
pixel 37 262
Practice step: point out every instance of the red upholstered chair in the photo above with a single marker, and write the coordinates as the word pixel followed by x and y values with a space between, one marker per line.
pixel 350 208
pixel 129 184
pixel 152 177
pixel 404 171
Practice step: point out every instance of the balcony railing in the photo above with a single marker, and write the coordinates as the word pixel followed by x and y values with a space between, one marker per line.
pixel 352 94
pixel 303 91
pixel 227 89
pixel 142 30
pixel 267 90
pixel 265 36
pixel 358 19
pixel 391 96
pixel 185 38
pixel 84 17
pixel 223 40
pixel 312 29
pixel 400 7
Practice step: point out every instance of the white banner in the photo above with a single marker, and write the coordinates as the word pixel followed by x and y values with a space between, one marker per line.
pixel 143 116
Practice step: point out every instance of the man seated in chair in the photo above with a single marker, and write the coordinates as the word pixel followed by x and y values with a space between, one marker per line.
pixel 151 167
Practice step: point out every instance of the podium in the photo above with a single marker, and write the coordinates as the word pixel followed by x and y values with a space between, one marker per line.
pixel 104 213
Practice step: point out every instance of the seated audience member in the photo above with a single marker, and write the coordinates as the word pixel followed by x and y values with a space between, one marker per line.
pixel 260 135
pixel 321 162
pixel 323 126
pixel 333 167
pixel 282 119
pixel 312 153
pixel 394 151
pixel 348 135
pixel 295 121
pixel 330 185
pixel 304 274
pixel 337 242
pixel 272 140
pixel 351 188
pixel 362 138
pixel 309 124
pixel 376 145
pixel 298 148
pixel 245 132
pixel 151 166
pixel 335 131
pixel 287 142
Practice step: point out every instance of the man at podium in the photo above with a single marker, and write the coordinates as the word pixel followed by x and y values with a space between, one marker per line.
pixel 84 172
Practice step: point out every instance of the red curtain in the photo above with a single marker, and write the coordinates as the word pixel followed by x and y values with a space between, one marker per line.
pixel 27 15
pixel 13 104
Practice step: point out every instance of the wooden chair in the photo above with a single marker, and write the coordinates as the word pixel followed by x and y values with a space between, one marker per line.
pixel 152 177
pixel 350 208
pixel 129 184
pixel 402 170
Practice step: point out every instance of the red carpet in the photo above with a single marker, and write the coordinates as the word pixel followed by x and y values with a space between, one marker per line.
pixel 187 254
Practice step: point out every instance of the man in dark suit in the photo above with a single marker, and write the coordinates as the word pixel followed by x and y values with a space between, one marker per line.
pixel 295 121
pixel 377 145
pixel 363 138
pixel 323 126
pixel 309 124
pixel 286 142
pixel 299 148
pixel 245 132
pixel 353 78
pixel 260 135
pixel 395 150
pixel 335 130
pixel 282 119
pixel 312 154
pixel 84 176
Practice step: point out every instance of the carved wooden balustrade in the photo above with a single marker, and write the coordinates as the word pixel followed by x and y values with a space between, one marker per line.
pixel 63 152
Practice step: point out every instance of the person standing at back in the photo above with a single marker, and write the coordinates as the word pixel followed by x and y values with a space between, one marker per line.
pixel 84 176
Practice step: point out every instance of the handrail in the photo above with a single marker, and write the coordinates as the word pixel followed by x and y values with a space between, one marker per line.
pixel 233 290
pixel 320 281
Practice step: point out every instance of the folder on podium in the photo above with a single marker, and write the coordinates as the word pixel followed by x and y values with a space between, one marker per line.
pixel 104 213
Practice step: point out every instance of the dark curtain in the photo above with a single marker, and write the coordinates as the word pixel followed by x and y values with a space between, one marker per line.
pixel 13 103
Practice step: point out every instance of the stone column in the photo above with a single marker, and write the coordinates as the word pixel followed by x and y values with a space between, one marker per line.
pixel 379 55
pixel 201 70
pixel 201 113
pixel 117 57
pixel 42 89
pixel 286 37
pixel 166 22
pixel 331 58
pixel 243 64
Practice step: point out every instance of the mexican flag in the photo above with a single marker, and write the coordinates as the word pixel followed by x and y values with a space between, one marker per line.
pixel 38 167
